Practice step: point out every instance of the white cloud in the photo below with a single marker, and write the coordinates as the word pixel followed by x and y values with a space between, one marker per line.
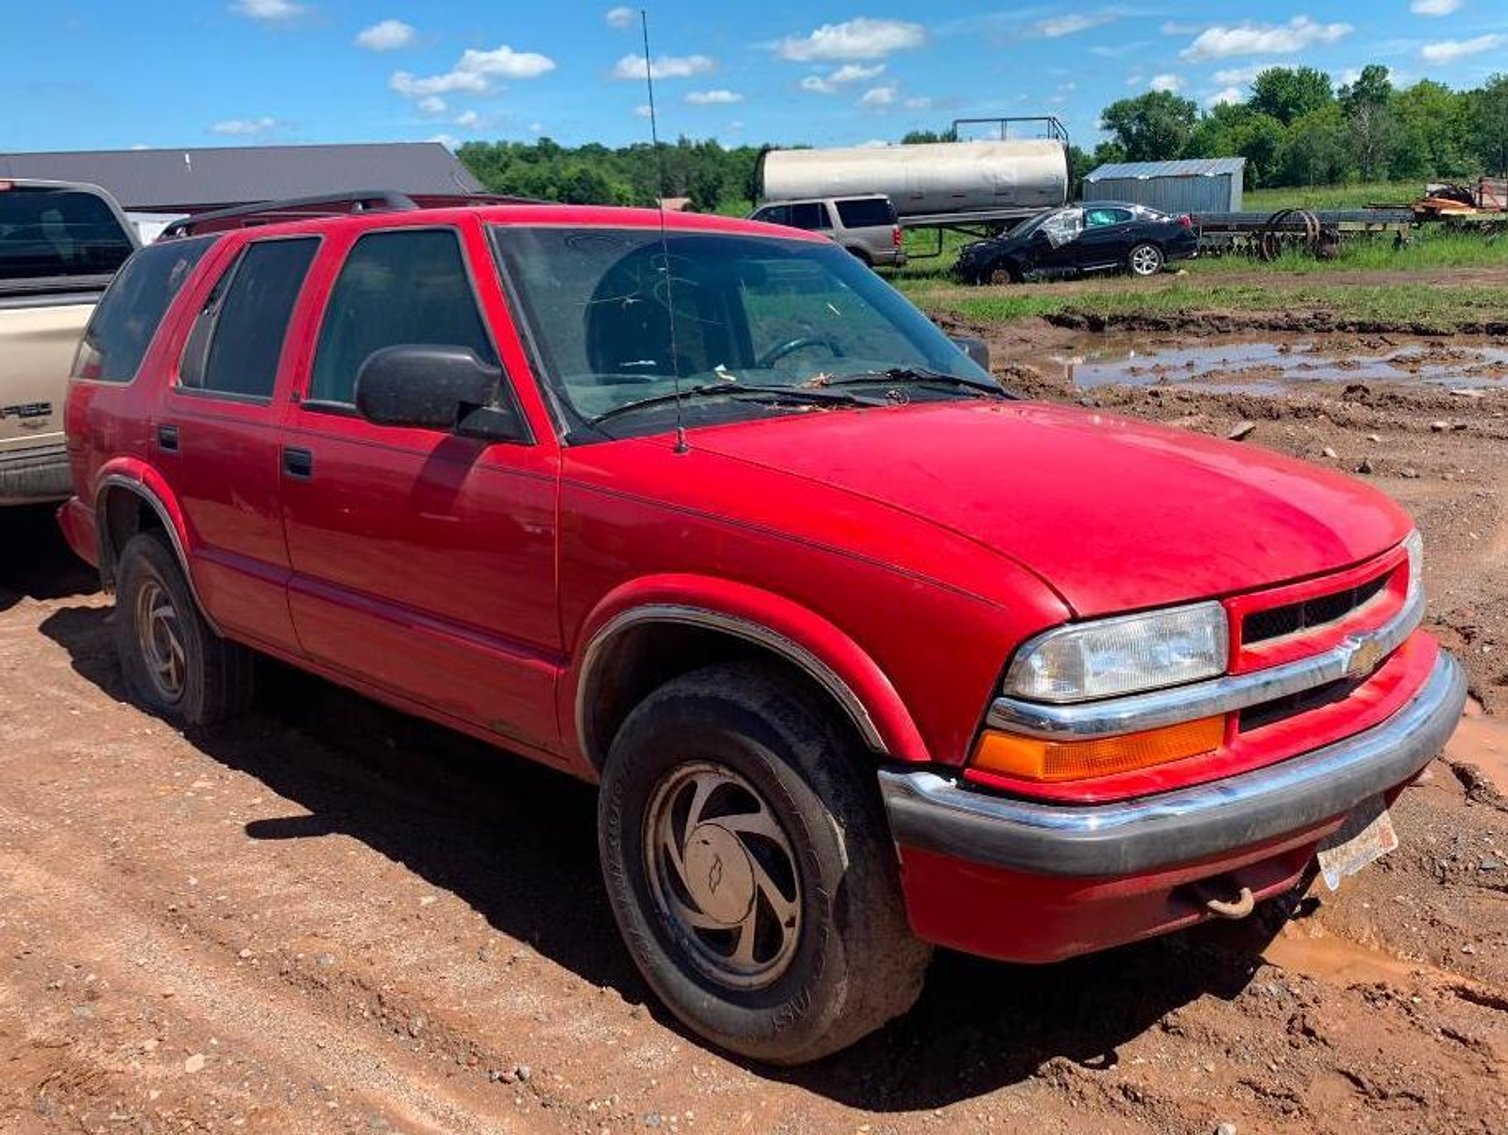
pixel 643 110
pixel 449 141
pixel 619 17
pixel 1116 50
pixel 862 38
pixel 389 35
pixel 1166 82
pixel 1071 23
pixel 848 73
pixel 665 67
pixel 245 127
pixel 468 118
pixel 1239 76
pixel 432 104
pixel 1180 27
pixel 505 63
pixel 920 103
pixel 1449 50
pixel 1434 7
pixel 1263 39
pixel 474 72
pixel 536 128
pixel 877 97
pixel 713 98
pixel 1230 95
pixel 271 10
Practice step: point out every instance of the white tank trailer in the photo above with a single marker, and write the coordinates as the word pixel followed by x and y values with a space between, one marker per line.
pixel 931 180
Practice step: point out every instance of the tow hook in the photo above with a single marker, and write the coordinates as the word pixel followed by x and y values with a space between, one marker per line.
pixel 1239 907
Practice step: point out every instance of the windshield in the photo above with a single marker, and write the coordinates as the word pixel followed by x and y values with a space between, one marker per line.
pixel 618 318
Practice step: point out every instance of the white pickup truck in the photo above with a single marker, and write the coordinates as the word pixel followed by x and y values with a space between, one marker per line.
pixel 60 244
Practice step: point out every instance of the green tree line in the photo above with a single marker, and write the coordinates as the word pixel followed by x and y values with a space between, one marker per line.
pixel 1295 128
pixel 1298 128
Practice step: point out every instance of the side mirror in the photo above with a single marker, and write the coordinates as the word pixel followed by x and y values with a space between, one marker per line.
pixel 437 388
pixel 977 349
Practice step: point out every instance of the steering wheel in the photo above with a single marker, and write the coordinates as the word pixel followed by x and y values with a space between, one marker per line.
pixel 791 346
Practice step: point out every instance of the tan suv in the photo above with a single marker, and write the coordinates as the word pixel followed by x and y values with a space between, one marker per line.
pixel 59 246
pixel 865 226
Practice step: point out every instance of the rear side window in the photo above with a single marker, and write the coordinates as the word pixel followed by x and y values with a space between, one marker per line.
pixel 237 338
pixel 132 307
pixel 810 215
pixel 406 287
pixel 58 234
pixel 867 212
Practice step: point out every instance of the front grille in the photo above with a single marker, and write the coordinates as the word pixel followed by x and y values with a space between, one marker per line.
pixel 1275 622
pixel 1270 712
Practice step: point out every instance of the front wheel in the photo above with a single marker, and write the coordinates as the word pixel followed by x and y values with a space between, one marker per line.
pixel 750 867
pixel 1145 260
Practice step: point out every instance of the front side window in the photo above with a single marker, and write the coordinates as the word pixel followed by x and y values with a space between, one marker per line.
pixel 1064 226
pixel 620 316
pixel 234 345
pixel 774 215
pixel 58 234
pixel 404 287
pixel 129 312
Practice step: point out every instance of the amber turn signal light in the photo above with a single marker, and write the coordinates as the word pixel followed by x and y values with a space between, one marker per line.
pixel 1032 758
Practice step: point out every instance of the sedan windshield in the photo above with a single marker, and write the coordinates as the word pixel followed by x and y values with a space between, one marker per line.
pixel 620 318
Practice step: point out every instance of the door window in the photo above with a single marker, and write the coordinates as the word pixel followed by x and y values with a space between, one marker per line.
pixel 1103 218
pixel 404 287
pixel 810 215
pixel 774 215
pixel 234 345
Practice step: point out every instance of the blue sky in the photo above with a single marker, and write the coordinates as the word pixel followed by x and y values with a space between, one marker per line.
pixel 84 74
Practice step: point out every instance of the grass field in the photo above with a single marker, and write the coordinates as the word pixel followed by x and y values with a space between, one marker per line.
pixel 1356 196
pixel 1420 306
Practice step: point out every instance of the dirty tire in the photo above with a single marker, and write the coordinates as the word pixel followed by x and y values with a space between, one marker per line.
pixel 854 964
pixel 173 663
pixel 1145 259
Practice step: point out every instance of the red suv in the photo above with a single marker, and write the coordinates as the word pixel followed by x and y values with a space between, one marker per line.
pixel 866 654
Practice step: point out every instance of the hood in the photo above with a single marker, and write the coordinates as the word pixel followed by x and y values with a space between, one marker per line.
pixel 1113 514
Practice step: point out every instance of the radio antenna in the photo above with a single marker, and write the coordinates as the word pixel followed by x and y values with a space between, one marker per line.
pixel 681 445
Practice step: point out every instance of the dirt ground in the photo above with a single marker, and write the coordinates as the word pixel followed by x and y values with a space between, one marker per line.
pixel 330 918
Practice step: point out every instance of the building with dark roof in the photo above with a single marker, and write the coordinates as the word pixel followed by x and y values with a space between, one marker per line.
pixel 193 180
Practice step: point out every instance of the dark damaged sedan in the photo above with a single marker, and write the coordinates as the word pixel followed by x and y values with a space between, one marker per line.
pixel 1099 236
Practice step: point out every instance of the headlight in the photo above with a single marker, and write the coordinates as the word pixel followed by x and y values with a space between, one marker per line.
pixel 1414 543
pixel 1123 655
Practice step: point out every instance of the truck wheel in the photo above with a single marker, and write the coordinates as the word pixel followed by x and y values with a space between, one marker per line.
pixel 1145 260
pixel 750 867
pixel 173 662
pixel 861 255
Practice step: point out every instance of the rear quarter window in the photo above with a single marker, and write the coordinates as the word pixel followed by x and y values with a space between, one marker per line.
pixel 132 307
pixel 65 235
pixel 871 212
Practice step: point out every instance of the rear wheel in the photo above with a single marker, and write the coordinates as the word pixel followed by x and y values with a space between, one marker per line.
pixel 1145 260
pixel 173 662
pixel 750 867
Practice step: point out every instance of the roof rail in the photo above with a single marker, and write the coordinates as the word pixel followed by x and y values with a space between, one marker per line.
pixel 294 208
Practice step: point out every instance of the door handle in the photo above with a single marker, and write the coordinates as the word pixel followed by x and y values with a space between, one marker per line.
pixel 167 438
pixel 298 463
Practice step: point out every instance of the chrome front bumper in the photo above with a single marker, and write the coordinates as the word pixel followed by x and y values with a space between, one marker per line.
pixel 938 814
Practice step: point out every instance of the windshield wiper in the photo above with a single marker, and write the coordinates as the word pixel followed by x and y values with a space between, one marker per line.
pixel 917 375
pixel 763 393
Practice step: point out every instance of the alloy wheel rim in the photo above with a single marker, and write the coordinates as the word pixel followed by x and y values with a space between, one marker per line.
pixel 159 635
pixel 723 875
pixel 1145 261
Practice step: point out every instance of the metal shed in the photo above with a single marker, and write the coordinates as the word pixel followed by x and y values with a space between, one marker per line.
pixel 1195 185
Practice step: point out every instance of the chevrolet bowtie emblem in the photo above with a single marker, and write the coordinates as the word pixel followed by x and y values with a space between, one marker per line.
pixel 1364 658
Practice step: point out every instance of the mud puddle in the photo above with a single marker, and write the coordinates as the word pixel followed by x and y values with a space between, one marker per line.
pixel 1272 366
pixel 1482 741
